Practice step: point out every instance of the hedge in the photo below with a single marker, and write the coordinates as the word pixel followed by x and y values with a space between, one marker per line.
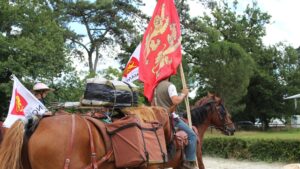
pixel 253 149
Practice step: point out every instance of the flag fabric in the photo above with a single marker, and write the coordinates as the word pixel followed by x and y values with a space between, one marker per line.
pixel 131 71
pixel 161 47
pixel 22 104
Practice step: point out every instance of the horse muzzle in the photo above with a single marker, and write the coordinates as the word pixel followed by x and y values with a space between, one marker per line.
pixel 228 131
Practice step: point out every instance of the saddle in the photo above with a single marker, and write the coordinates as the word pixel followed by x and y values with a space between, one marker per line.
pixel 179 140
pixel 180 137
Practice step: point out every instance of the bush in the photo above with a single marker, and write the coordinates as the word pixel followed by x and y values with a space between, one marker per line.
pixel 253 149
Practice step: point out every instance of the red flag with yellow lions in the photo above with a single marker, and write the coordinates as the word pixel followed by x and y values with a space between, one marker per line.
pixel 161 47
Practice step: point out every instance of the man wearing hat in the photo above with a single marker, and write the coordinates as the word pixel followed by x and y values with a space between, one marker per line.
pixel 40 91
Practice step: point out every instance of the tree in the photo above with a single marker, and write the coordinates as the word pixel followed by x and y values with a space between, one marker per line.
pixel 217 58
pixel 32 43
pixel 264 98
pixel 107 24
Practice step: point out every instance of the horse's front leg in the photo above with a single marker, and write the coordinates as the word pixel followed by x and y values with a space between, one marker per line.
pixel 200 161
pixel 199 155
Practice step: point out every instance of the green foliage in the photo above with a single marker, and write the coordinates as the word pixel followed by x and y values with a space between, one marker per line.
pixel 33 40
pixel 225 53
pixel 272 150
pixel 222 59
pixel 32 44
pixel 107 24
pixel 111 73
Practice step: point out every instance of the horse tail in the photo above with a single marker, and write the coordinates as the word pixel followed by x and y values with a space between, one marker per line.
pixel 11 147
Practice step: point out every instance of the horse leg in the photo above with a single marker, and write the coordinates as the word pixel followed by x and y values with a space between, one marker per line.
pixel 199 155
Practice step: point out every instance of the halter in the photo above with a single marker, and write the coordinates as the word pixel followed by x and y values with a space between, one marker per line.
pixel 222 114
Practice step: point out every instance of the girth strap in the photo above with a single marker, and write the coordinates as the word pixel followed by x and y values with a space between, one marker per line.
pixel 71 142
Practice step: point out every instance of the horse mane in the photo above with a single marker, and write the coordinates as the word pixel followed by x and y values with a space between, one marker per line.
pixel 13 142
pixel 199 114
pixel 144 113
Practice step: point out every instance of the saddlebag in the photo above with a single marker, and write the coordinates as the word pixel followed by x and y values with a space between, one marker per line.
pixel 135 144
pixel 155 142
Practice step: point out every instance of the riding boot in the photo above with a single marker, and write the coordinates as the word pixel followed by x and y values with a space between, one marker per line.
pixel 189 165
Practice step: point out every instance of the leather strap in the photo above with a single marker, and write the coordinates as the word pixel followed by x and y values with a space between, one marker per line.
pixel 102 160
pixel 71 142
pixel 93 152
pixel 102 128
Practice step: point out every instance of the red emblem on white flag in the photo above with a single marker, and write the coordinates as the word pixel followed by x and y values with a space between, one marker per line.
pixel 131 71
pixel 22 104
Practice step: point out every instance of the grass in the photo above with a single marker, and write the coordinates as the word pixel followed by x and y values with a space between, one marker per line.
pixel 291 134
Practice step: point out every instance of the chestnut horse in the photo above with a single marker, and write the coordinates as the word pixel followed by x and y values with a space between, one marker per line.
pixel 49 145
pixel 212 113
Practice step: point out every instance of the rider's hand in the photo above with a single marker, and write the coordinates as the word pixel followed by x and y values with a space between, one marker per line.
pixel 48 113
pixel 185 91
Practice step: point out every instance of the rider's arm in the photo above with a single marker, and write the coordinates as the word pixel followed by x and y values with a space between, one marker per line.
pixel 177 99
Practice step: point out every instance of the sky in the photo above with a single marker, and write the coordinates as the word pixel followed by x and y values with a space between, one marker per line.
pixel 284 27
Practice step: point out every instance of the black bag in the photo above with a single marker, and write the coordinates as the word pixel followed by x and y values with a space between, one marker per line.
pixel 111 93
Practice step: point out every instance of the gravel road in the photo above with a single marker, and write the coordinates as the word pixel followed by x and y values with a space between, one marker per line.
pixel 219 163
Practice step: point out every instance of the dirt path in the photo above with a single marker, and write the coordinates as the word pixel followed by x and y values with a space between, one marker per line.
pixel 219 163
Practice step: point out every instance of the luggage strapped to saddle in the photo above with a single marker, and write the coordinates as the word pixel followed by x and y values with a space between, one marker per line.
pixel 109 93
pixel 137 144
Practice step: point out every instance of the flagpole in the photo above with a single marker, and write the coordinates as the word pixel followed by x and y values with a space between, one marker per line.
pixel 187 103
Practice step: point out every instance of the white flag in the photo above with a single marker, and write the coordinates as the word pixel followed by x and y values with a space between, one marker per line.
pixel 131 72
pixel 22 104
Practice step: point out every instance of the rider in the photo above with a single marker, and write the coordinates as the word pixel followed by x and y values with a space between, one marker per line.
pixel 40 91
pixel 166 96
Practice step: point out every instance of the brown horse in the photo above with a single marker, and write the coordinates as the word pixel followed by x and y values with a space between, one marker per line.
pixel 52 145
pixel 212 113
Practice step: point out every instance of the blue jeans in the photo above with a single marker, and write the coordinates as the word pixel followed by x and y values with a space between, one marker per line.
pixel 190 149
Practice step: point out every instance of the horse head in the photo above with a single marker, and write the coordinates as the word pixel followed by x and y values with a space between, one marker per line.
pixel 221 119
pixel 213 112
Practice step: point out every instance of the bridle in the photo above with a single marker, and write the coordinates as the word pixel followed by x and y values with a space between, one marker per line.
pixel 222 113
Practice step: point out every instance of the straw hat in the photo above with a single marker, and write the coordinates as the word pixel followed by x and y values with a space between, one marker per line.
pixel 41 87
